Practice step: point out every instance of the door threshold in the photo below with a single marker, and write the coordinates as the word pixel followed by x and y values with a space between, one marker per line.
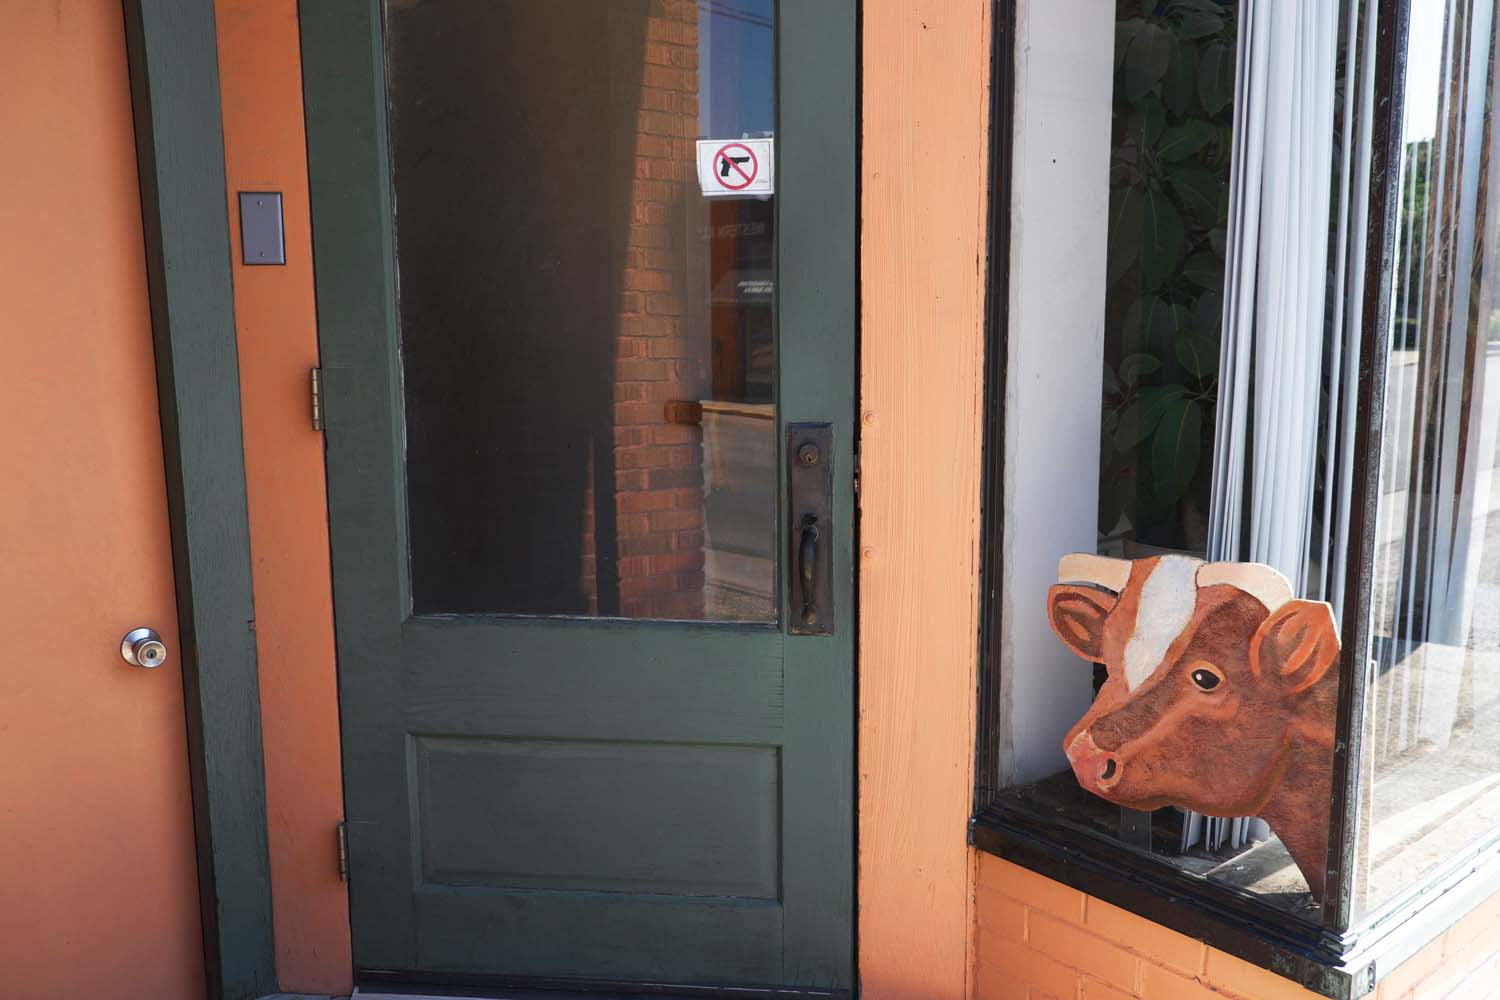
pixel 563 989
pixel 426 993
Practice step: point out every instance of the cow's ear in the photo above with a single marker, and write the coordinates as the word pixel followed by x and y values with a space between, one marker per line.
pixel 1297 645
pixel 1076 613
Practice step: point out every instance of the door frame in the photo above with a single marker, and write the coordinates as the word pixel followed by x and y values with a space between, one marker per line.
pixel 172 53
pixel 920 379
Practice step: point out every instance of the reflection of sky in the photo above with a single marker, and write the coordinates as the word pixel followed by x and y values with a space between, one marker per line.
pixel 736 68
pixel 1424 53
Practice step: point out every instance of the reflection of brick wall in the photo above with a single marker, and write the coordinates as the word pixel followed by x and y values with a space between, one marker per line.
pixel 663 343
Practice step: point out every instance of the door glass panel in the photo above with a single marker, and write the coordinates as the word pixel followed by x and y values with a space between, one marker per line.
pixel 585 251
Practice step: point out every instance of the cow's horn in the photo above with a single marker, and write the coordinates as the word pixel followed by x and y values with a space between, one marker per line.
pixel 1085 567
pixel 1264 583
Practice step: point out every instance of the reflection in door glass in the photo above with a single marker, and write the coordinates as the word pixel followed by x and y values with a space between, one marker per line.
pixel 585 251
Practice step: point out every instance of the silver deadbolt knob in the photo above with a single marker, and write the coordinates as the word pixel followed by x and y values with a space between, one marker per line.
pixel 142 647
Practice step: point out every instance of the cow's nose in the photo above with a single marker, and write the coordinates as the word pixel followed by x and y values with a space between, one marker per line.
pixel 1096 769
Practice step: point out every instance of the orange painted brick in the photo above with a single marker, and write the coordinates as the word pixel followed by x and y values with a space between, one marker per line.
pixel 1239 976
pixel 994 983
pixel 1399 982
pixel 1456 976
pixel 1080 950
pixel 1034 969
pixel 1483 922
pixel 1150 940
pixel 1034 890
pixel 1000 916
pixel 1479 984
pixel 1094 989
pixel 1158 983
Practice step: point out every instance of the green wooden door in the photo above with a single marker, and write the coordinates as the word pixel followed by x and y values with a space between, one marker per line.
pixel 585 273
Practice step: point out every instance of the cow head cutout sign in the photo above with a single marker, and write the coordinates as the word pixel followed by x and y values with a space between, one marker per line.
pixel 1221 696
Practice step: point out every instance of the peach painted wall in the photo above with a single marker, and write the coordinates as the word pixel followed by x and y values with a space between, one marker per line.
pixel 265 150
pixel 98 882
pixel 1039 939
pixel 925 109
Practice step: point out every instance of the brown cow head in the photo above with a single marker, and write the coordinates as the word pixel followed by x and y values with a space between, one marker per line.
pixel 1221 692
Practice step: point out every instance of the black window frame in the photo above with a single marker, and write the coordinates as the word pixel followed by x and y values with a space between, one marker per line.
pixel 1334 956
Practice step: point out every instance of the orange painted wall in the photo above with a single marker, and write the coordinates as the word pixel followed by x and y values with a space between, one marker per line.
pixel 98 883
pixel 1041 939
pixel 265 150
pixel 925 108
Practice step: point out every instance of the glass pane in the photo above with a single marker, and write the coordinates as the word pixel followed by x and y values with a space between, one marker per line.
pixel 585 250
pixel 1433 735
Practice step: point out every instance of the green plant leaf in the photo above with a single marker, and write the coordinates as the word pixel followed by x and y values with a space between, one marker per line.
pixel 1151 322
pixel 1217 237
pixel 1216 77
pixel 1111 382
pixel 1178 87
pixel 1206 270
pixel 1199 355
pixel 1136 365
pixel 1175 447
pixel 1153 119
pixel 1198 24
pixel 1185 140
pixel 1125 32
pixel 1127 213
pixel 1140 418
pixel 1143 62
pixel 1162 239
pixel 1208 315
pixel 1197 191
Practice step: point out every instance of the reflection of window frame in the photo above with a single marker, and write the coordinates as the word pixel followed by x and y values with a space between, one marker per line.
pixel 1334 954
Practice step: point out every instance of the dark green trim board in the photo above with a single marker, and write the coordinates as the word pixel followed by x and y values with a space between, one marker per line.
pixel 174 90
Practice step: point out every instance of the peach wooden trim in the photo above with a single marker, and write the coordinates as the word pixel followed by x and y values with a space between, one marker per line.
pixel 265 150
pixel 925 108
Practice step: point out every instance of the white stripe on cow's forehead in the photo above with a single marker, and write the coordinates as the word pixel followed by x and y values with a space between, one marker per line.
pixel 1166 607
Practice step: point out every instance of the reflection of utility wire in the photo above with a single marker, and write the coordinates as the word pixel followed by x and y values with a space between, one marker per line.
pixel 735 14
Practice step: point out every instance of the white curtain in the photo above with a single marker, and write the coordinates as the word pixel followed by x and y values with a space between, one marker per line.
pixel 1285 415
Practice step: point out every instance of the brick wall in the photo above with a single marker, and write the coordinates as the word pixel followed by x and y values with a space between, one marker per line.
pixel 1037 939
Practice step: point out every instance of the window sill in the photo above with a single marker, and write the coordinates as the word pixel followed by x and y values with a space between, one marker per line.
pixel 1343 967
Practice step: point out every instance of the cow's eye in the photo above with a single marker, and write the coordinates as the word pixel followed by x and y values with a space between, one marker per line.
pixel 1206 678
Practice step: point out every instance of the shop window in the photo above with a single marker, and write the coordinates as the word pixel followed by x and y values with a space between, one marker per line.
pixel 1297 371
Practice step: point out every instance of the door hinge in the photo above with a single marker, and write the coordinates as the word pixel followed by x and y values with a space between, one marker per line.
pixel 315 386
pixel 343 843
